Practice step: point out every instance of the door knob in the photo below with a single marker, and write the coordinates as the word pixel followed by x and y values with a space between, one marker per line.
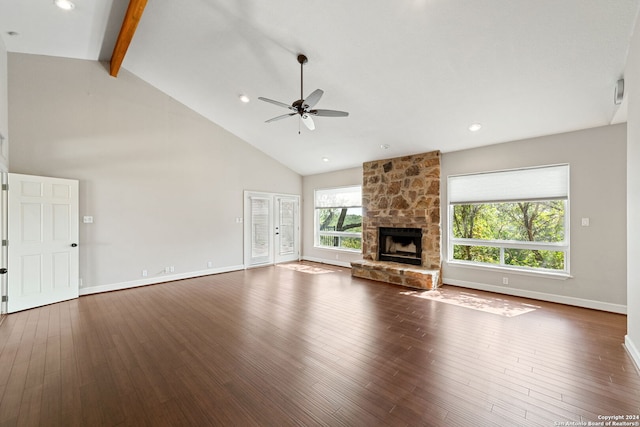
pixel 3 271
pixel 73 245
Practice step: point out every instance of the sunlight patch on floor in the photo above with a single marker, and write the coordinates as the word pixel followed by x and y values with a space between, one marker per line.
pixel 304 268
pixel 491 305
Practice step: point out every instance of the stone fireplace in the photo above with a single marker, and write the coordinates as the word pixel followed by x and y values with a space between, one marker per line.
pixel 401 196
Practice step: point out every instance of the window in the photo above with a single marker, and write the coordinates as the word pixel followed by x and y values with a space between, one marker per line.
pixel 511 219
pixel 338 218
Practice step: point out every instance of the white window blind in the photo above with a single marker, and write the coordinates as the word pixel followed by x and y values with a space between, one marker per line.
pixel 540 183
pixel 343 197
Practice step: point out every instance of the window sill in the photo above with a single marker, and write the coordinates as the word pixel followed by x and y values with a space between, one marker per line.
pixel 547 274
pixel 350 251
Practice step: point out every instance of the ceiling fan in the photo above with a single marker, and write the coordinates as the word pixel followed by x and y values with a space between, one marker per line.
pixel 303 107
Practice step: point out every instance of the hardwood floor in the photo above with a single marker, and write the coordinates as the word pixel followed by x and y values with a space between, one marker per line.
pixel 278 346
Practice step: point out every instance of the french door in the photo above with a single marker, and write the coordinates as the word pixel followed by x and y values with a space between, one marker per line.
pixel 272 228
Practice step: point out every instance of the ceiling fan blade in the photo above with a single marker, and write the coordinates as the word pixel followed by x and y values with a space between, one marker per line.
pixel 284 116
pixel 313 98
pixel 308 121
pixel 328 113
pixel 278 103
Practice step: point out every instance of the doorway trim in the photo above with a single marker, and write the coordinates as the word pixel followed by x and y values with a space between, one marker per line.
pixel 4 253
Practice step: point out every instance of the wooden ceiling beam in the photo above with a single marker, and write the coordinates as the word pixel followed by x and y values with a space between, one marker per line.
pixel 128 29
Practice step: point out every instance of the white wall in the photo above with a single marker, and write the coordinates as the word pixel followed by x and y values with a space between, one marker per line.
pixel 310 183
pixel 598 259
pixel 4 108
pixel 632 83
pixel 163 184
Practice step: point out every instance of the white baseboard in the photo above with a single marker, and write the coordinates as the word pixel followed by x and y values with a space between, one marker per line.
pixel 155 280
pixel 327 261
pixel 633 352
pixel 578 302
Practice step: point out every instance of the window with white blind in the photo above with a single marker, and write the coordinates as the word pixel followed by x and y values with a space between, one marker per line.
pixel 511 219
pixel 338 218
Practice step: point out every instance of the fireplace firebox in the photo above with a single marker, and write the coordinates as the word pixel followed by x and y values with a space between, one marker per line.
pixel 400 245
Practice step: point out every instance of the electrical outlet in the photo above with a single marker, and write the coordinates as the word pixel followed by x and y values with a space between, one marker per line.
pixel 505 280
pixel 172 269
pixel 167 269
pixel 145 273
pixel 209 264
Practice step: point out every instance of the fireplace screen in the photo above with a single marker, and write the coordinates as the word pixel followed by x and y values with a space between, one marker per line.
pixel 400 245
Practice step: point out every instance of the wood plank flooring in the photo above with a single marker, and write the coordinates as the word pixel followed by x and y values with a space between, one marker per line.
pixel 276 346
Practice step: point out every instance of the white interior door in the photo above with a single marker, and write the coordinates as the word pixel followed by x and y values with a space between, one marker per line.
pixel 43 241
pixel 272 232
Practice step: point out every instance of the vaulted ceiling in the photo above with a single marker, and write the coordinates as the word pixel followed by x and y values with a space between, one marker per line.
pixel 413 74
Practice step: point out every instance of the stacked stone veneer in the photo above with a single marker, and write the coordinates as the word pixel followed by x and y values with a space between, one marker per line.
pixel 402 192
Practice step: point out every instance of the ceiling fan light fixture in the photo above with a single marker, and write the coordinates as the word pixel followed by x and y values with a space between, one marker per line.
pixel 64 4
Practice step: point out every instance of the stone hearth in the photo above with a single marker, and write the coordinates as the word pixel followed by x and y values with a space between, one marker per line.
pixel 399 274
pixel 403 192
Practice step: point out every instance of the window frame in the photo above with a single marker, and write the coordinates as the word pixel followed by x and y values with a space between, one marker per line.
pixel 502 245
pixel 340 234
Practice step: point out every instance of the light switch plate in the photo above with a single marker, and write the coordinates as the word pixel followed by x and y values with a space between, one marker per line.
pixel 87 219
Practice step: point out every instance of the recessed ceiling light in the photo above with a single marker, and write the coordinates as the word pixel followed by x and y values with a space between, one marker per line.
pixel 325 159
pixel 385 146
pixel 475 127
pixel 244 98
pixel 64 4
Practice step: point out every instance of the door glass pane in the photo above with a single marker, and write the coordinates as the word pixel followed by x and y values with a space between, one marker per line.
pixel 260 227
pixel 287 224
